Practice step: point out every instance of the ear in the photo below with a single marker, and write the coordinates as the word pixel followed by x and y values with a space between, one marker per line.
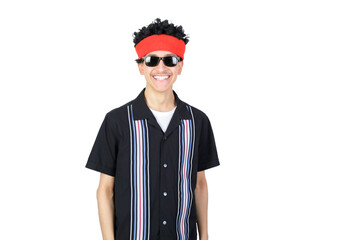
pixel 180 64
pixel 141 69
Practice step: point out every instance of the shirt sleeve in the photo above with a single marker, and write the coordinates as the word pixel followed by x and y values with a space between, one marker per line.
pixel 103 154
pixel 208 156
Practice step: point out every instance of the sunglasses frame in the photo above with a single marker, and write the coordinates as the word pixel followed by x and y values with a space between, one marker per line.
pixel 179 59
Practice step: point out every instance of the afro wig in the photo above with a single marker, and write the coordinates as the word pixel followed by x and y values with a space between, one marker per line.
pixel 160 27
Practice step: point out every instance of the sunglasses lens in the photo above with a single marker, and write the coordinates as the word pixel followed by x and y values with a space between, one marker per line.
pixel 151 61
pixel 170 61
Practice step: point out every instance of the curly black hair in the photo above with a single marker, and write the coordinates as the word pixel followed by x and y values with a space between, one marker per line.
pixel 160 27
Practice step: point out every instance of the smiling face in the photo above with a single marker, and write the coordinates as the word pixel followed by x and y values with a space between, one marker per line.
pixel 160 78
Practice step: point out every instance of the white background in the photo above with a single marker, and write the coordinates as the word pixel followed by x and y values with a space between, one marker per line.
pixel 279 81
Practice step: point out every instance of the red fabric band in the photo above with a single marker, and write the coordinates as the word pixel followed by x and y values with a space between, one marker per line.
pixel 160 42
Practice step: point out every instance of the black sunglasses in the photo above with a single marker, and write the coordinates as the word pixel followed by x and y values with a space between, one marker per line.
pixel 169 61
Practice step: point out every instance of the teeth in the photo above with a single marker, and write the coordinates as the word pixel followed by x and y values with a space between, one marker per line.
pixel 161 77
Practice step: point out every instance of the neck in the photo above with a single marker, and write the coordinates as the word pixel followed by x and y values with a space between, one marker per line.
pixel 160 101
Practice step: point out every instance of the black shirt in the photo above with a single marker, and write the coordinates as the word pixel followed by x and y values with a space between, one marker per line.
pixel 155 172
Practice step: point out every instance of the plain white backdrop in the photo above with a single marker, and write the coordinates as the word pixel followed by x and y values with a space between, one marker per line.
pixel 279 81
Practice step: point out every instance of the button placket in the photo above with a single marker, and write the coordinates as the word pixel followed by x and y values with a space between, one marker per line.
pixel 165 165
pixel 164 222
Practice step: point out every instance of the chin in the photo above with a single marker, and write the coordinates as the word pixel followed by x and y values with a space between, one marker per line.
pixel 163 89
pixel 158 87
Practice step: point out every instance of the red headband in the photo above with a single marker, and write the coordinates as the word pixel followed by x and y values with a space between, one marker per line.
pixel 160 42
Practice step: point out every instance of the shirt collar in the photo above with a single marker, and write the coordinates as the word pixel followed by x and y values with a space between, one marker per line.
pixel 142 111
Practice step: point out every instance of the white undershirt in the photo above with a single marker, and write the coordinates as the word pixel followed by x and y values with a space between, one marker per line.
pixel 163 118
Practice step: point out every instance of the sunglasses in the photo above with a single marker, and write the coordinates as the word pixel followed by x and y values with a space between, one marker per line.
pixel 170 61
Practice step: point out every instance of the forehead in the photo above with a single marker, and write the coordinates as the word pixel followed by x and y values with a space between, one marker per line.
pixel 161 53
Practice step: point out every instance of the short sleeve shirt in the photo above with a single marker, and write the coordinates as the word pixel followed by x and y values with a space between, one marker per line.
pixel 155 172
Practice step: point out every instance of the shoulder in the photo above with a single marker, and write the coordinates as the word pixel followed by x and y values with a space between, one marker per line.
pixel 119 114
pixel 199 115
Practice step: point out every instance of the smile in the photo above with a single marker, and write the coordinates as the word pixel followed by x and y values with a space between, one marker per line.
pixel 161 77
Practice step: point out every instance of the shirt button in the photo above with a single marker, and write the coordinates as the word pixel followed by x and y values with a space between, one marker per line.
pixel 164 222
pixel 165 165
pixel 165 194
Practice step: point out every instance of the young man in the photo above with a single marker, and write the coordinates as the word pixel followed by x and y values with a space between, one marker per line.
pixel 152 151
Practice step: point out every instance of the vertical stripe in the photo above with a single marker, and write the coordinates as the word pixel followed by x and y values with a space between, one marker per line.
pixel 192 131
pixel 131 163
pixel 144 178
pixel 138 183
pixel 148 182
pixel 185 195
pixel 139 175
pixel 135 208
pixel 179 179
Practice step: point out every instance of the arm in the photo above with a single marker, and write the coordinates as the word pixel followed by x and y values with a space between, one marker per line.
pixel 105 201
pixel 201 200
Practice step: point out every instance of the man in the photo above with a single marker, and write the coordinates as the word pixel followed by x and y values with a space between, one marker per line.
pixel 152 151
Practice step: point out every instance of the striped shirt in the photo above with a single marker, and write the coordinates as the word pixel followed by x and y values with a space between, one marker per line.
pixel 155 172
